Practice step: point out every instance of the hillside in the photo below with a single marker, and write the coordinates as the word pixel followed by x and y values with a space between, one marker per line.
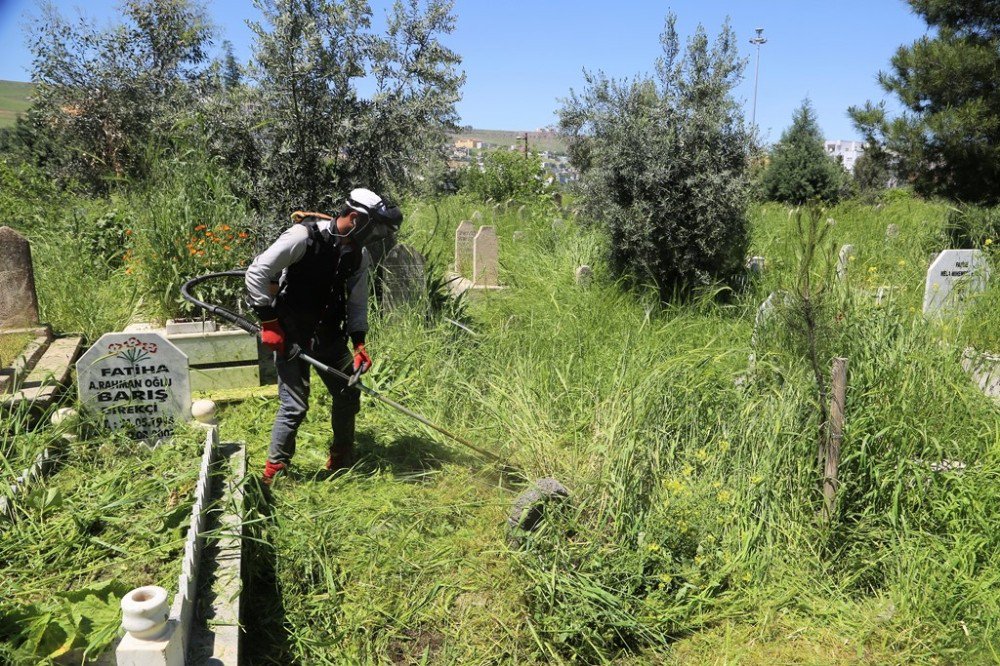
pixel 539 141
pixel 13 100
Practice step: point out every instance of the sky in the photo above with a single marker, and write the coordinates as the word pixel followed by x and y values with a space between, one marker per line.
pixel 521 57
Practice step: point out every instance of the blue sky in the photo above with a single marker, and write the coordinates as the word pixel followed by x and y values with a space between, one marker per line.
pixel 522 56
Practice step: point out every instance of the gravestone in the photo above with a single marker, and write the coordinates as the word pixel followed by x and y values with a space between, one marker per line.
pixel 891 231
pixel 465 235
pixel 952 277
pixel 763 315
pixel 402 276
pixel 485 258
pixel 18 301
pixel 843 261
pixel 139 382
pixel 755 264
pixel 584 276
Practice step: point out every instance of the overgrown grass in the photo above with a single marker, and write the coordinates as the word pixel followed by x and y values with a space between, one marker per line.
pixel 694 521
pixel 111 518
pixel 693 532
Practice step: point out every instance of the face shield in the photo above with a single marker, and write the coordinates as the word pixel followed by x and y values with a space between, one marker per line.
pixel 376 222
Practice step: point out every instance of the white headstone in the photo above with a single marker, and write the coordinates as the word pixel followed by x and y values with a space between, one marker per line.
pixel 763 314
pixel 843 260
pixel 953 275
pixel 464 236
pixel 138 381
pixel 584 275
pixel 486 258
pixel 891 231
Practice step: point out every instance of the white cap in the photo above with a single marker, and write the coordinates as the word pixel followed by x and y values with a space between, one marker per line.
pixel 367 199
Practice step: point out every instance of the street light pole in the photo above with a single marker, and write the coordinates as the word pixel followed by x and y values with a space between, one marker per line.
pixel 756 41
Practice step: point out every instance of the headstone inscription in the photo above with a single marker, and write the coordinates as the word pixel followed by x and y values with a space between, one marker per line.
pixel 843 261
pixel 402 276
pixel 18 302
pixel 486 258
pixel 465 234
pixel 952 277
pixel 139 382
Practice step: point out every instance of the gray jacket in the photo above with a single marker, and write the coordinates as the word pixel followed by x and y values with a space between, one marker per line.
pixel 267 274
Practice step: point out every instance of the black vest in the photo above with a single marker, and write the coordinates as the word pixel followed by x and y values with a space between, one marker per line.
pixel 313 296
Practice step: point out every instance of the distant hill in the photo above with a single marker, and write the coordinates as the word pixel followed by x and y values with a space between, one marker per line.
pixel 537 141
pixel 13 100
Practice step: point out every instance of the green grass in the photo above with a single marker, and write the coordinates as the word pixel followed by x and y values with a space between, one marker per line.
pixel 110 519
pixel 13 101
pixel 11 345
pixel 692 535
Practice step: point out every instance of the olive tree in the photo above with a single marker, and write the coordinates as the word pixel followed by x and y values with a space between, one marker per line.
pixel 663 163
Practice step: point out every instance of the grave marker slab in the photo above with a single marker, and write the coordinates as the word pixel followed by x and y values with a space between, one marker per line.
pixel 486 258
pixel 18 301
pixel 891 231
pixel 755 264
pixel 952 277
pixel 139 381
pixel 402 277
pixel 843 261
pixel 465 236
pixel 584 276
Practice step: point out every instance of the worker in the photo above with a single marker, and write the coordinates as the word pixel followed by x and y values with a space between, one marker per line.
pixel 310 290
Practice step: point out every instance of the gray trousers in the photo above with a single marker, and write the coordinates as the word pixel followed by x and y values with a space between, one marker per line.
pixel 293 397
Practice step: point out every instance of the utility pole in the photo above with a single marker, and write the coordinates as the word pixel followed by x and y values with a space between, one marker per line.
pixel 756 41
pixel 525 139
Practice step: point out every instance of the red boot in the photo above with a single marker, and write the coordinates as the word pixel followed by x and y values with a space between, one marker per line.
pixel 341 457
pixel 270 469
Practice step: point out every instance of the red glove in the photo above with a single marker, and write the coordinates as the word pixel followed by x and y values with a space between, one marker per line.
pixel 272 336
pixel 362 360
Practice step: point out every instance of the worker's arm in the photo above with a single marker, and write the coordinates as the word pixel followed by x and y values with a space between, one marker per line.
pixel 266 269
pixel 357 301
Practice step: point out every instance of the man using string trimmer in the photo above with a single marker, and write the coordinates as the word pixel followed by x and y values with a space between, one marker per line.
pixel 310 290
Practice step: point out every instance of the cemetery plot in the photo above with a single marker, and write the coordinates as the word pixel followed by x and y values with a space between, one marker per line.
pixel 112 518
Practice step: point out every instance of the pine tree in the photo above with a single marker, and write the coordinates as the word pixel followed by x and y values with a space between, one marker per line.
pixel 947 141
pixel 800 170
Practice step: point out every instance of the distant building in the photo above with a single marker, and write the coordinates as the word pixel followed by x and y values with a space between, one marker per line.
pixel 469 143
pixel 847 152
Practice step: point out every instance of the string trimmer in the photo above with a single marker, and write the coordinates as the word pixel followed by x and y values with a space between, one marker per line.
pixel 527 508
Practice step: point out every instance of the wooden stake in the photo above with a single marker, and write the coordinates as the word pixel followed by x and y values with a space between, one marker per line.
pixel 835 435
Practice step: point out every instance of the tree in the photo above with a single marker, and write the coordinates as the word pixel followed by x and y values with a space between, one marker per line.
pixel 663 163
pixel 947 141
pixel 103 95
pixel 319 136
pixel 800 170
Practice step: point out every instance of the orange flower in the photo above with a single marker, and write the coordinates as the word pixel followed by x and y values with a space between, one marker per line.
pixel 226 248
pixel 243 234
pixel 128 232
pixel 225 227
pixel 199 227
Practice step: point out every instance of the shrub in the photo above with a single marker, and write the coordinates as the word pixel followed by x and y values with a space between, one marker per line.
pixel 664 164
pixel 506 175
